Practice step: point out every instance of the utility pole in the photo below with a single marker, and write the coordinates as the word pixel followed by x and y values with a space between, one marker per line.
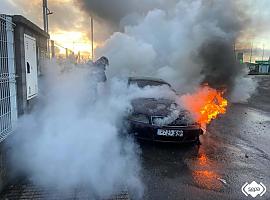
pixel 52 48
pixel 46 12
pixel 92 38
pixel 251 52
pixel 66 53
pixel 79 57
pixel 263 53
pixel 45 16
pixel 234 50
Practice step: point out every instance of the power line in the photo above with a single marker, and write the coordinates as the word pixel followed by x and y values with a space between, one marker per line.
pixel 251 51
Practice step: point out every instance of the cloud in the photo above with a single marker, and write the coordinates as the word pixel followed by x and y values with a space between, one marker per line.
pixel 114 15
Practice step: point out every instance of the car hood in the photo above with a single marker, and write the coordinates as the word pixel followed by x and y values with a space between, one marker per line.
pixel 153 107
pixel 164 111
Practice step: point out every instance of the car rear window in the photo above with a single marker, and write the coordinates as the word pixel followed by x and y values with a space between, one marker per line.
pixel 144 83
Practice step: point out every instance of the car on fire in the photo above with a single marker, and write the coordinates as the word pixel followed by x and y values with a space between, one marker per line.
pixel 146 120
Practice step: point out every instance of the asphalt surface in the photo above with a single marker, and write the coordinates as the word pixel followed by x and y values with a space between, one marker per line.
pixel 235 150
pixel 27 191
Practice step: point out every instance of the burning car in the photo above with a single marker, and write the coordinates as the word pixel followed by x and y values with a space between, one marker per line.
pixel 160 120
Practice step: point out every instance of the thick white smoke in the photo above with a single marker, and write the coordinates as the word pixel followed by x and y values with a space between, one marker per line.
pixel 159 45
pixel 167 43
pixel 243 89
pixel 75 135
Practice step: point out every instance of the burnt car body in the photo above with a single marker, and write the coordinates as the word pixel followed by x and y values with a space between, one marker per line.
pixel 148 113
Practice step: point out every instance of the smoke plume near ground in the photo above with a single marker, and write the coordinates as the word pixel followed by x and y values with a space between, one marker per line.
pixel 72 136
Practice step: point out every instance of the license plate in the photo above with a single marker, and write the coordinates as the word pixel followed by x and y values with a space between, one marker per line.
pixel 170 133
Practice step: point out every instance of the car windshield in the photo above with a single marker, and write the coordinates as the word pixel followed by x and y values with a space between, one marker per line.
pixel 143 83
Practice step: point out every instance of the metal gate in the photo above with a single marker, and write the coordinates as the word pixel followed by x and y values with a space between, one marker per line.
pixel 8 104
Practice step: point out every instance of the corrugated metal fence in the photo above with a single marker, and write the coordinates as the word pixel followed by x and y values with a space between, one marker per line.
pixel 8 104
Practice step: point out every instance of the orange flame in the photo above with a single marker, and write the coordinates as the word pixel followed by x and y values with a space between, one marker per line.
pixel 205 104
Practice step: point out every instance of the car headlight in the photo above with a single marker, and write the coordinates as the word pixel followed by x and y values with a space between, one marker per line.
pixel 139 118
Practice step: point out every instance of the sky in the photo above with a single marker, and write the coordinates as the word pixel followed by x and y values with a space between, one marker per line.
pixel 69 25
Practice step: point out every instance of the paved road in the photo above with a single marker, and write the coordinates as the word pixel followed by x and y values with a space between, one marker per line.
pixel 28 191
pixel 235 150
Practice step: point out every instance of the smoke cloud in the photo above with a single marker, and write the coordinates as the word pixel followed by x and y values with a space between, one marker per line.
pixel 75 136
pixel 219 65
pixel 116 10
pixel 187 44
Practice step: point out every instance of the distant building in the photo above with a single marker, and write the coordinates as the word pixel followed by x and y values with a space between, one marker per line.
pixel 259 67
pixel 263 66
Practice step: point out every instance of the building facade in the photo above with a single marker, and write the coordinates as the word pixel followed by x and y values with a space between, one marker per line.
pixel 23 46
pixel 30 51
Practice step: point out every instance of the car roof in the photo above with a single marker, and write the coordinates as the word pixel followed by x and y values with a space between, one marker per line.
pixel 147 79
